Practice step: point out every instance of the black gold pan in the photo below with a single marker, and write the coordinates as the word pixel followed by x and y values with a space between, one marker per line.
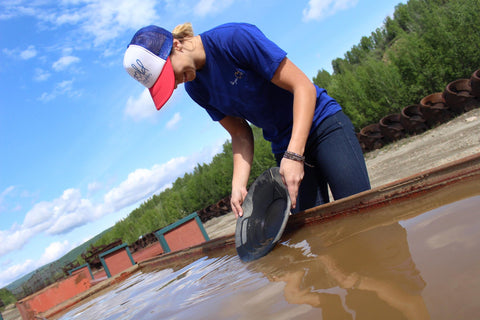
pixel 265 214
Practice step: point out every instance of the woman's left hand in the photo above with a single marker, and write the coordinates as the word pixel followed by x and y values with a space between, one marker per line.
pixel 292 175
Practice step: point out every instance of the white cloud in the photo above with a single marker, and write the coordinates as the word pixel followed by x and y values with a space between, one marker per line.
pixel 16 271
pixel 26 54
pixel 8 199
pixel 60 215
pixel 65 86
pixel 141 107
pixel 173 122
pixel 29 53
pixel 41 75
pixel 13 239
pixel 94 187
pixel 68 18
pixel 142 183
pixel 40 213
pixel 211 7
pixel 15 8
pixel 54 251
pixel 9 52
pixel 320 9
pixel 98 19
pixel 3 195
pixel 45 97
pixel 64 62
pixel 106 20
pixel 66 222
pixel 61 88
pixel 6 192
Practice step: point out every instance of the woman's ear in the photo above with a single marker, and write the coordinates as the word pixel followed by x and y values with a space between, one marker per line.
pixel 177 45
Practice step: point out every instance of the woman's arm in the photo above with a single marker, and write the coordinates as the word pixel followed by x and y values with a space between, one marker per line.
pixel 242 147
pixel 291 78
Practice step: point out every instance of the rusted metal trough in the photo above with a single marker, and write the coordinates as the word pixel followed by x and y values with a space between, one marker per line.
pixel 416 185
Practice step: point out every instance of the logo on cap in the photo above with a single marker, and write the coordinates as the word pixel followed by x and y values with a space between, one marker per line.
pixel 140 72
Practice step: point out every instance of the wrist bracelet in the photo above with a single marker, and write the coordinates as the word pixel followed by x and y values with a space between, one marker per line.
pixel 293 156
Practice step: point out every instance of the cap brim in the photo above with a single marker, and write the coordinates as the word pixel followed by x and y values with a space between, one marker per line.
pixel 266 209
pixel 163 88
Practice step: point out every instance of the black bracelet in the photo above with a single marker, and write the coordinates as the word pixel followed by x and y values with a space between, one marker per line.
pixel 293 156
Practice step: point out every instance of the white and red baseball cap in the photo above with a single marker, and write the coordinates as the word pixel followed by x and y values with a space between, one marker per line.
pixel 147 61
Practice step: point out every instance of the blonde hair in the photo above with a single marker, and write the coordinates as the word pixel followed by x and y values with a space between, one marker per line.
pixel 183 31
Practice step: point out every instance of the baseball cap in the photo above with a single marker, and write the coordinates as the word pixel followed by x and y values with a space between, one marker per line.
pixel 147 61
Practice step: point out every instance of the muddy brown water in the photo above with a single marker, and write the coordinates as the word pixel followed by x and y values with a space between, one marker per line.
pixel 414 260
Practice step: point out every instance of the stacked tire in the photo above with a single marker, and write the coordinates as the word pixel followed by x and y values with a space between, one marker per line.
pixel 412 119
pixel 459 96
pixel 475 84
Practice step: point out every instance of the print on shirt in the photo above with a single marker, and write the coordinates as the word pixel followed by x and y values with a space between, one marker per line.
pixel 238 75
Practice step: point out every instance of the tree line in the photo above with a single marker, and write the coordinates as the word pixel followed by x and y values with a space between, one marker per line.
pixel 417 52
pixel 6 298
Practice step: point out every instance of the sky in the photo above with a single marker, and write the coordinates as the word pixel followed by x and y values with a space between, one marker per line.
pixel 81 143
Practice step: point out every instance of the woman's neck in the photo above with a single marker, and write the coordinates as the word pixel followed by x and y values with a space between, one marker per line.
pixel 199 56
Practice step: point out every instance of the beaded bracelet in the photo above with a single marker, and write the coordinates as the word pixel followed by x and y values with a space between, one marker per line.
pixel 293 156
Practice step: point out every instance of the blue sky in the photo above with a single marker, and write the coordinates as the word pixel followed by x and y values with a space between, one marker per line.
pixel 81 144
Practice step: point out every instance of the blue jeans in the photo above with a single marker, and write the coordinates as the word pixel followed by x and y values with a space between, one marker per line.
pixel 337 158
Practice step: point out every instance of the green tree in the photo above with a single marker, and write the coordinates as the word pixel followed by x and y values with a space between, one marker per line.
pixel 7 297
pixel 323 79
pixel 423 47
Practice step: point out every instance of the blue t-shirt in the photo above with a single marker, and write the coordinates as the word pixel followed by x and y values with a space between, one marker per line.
pixel 236 81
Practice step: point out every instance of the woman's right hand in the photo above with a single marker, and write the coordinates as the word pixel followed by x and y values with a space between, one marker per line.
pixel 242 148
pixel 236 201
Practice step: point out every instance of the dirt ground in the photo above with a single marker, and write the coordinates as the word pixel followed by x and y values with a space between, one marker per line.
pixel 445 143
pixel 11 313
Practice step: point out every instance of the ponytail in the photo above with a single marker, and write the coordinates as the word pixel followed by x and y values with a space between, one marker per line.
pixel 183 31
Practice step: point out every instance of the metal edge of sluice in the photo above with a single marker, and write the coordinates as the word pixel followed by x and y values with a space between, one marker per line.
pixel 441 176
pixel 216 245
pixel 445 175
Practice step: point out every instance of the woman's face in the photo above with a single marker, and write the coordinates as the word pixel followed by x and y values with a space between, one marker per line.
pixel 182 64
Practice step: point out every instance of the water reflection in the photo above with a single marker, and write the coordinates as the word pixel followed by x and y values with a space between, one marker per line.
pixel 366 274
pixel 388 264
